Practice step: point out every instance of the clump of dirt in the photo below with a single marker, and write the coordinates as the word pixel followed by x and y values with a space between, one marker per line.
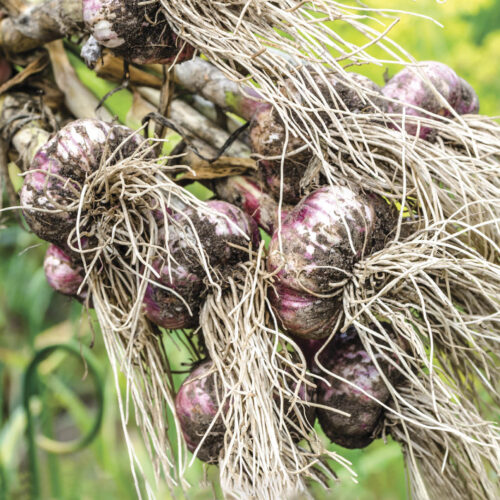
pixel 144 34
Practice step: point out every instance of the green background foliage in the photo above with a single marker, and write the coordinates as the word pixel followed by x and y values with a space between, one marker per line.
pixel 32 315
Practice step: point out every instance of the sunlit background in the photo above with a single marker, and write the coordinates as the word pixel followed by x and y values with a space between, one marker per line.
pixel 33 316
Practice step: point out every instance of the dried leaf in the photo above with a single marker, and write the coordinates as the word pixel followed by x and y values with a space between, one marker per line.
pixel 223 167
pixel 111 68
pixel 39 64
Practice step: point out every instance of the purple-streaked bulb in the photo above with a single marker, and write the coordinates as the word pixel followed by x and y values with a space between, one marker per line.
pixel 62 274
pixel 163 306
pixel 322 238
pixel 303 314
pixel 219 226
pixel 247 194
pixel 183 275
pixel 410 89
pixel 59 169
pixel 196 404
pixel 346 357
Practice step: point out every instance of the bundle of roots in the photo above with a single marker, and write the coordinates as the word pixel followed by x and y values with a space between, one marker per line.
pixel 440 298
pixel 265 405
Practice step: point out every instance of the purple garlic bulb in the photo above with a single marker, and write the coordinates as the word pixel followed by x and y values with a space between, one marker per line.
pixel 268 134
pixel 197 403
pixel 164 307
pixel 411 89
pixel 183 275
pixel 246 193
pixel 232 226
pixel 303 314
pixel 62 274
pixel 346 357
pixel 322 238
pixel 58 171
pixel 137 31
pixel 218 227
